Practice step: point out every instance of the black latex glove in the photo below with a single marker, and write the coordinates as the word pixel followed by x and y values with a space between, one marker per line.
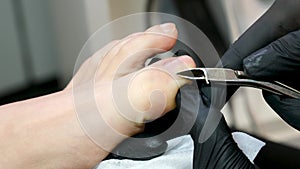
pixel 282 18
pixel 219 150
pixel 214 147
pixel 279 61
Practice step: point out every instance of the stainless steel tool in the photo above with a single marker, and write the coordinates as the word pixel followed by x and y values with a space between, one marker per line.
pixel 223 76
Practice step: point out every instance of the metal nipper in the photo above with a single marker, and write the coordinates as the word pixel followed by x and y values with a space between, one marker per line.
pixel 223 76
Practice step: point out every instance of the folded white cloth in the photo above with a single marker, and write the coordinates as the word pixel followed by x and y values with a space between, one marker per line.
pixel 179 155
pixel 248 144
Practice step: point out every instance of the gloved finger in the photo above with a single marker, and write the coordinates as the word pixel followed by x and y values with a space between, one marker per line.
pixel 282 18
pixel 278 61
pixel 287 108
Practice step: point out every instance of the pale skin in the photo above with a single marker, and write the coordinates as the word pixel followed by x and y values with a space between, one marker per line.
pixel 44 132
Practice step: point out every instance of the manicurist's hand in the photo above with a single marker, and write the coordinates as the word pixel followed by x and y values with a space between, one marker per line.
pixel 279 61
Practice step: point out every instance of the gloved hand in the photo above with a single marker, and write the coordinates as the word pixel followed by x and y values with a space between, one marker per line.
pixel 282 18
pixel 219 150
pixel 214 146
pixel 279 61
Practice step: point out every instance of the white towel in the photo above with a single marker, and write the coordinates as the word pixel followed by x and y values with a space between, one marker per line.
pixel 248 144
pixel 179 155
